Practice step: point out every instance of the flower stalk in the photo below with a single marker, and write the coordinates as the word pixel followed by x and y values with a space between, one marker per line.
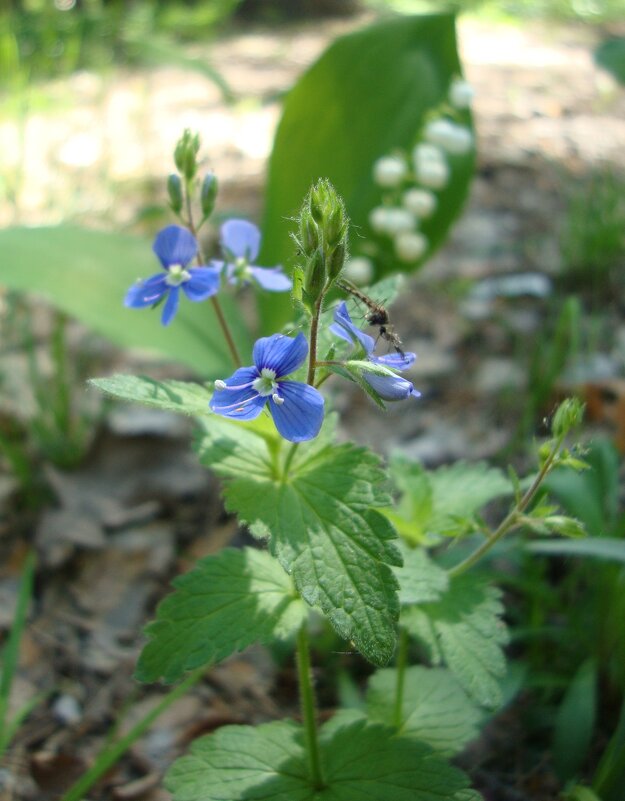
pixel 309 711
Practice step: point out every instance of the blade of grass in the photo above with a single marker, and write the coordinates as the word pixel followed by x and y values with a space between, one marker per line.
pixel 11 650
pixel 110 755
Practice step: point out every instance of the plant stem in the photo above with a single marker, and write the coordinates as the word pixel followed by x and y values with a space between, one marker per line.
pixel 402 661
pixel 288 460
pixel 511 518
pixel 309 712
pixel 312 357
pixel 236 358
pixel 109 756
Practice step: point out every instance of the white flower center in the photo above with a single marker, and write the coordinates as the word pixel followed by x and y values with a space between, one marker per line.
pixel 266 383
pixel 176 275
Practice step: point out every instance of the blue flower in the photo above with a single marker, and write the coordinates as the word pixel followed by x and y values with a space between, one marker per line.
pixel 175 247
pixel 240 241
pixel 296 408
pixel 388 387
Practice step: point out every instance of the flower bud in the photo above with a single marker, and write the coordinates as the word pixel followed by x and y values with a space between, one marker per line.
pixel 308 232
pixel 208 194
pixel 185 154
pixel 335 227
pixel 569 414
pixel 426 153
pixel 337 260
pixel 461 93
pixel 320 200
pixel 446 134
pixel 420 202
pixel 410 246
pixel 434 174
pixel 389 171
pixel 391 220
pixel 174 190
pixel 314 279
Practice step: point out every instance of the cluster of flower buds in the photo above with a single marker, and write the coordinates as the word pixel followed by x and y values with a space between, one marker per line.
pixel 410 182
pixel 322 242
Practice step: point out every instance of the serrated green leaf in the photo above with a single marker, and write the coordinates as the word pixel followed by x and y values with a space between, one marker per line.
pixel 420 580
pixel 435 708
pixel 359 760
pixel 465 631
pixel 321 526
pixel 87 273
pixel 224 604
pixel 183 397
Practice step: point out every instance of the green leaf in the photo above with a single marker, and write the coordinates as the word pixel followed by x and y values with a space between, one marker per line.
pixel 435 708
pixel 320 524
pixel 87 273
pixel 443 501
pixel 268 762
pixel 597 547
pixel 420 580
pixel 575 722
pixel 366 96
pixel 611 56
pixel 182 397
pixel 464 630
pixel 224 604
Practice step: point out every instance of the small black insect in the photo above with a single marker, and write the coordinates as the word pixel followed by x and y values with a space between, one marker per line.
pixel 376 315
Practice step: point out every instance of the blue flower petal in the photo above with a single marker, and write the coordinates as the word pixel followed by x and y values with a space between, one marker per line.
pixel 391 388
pixel 203 283
pixel 171 305
pixel 396 361
pixel 272 279
pixel 241 239
pixel 175 245
pixel 280 353
pixel 300 417
pixel 241 404
pixel 146 293
pixel 344 328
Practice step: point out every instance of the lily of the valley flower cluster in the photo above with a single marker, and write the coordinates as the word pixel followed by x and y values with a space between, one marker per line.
pixel 297 407
pixel 411 182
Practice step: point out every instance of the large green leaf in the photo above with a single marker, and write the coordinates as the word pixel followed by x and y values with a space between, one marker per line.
pixel 464 630
pixel 367 95
pixel 314 503
pixel 224 604
pixel 359 761
pixel 87 273
pixel 435 708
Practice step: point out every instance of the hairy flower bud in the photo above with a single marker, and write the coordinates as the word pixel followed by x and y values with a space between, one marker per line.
pixel 568 415
pixel 185 154
pixel 314 279
pixel 208 194
pixel 174 190
pixel 308 232
pixel 337 260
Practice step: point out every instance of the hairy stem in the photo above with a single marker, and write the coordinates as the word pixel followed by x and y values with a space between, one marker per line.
pixel 511 519
pixel 312 355
pixel 309 712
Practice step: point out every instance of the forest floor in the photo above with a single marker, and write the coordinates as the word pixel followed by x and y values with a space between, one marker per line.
pixel 139 509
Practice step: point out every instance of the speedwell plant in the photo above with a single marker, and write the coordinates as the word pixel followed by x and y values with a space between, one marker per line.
pixel 322 512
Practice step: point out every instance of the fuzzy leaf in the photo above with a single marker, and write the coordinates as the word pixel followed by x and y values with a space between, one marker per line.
pixel 464 630
pixel 182 397
pixel 435 708
pixel 224 604
pixel 360 760
pixel 420 580
pixel 320 523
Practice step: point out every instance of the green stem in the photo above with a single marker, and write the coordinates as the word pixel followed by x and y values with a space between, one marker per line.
pixel 402 661
pixel 312 357
pixel 309 712
pixel 109 756
pixel 512 519
pixel 288 460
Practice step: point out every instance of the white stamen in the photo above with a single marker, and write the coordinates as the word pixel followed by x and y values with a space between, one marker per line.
pixel 277 399
pixel 219 384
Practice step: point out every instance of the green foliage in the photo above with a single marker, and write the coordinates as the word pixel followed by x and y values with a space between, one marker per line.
pixel 367 95
pixel 575 722
pixel 464 630
pixel 611 56
pixel 87 273
pixel 435 708
pixel 224 604
pixel 269 762
pixel 317 514
pixel 444 501
pixel 420 579
pixel 182 397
